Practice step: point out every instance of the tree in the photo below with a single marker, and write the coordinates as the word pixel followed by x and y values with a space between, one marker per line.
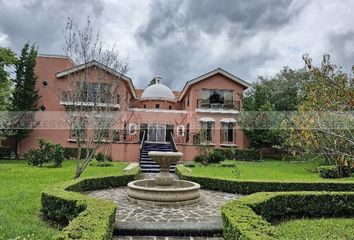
pixel 7 59
pixel 269 96
pixel 203 147
pixel 325 123
pixel 25 97
pixel 96 81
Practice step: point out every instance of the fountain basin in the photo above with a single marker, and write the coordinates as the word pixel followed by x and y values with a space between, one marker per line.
pixel 179 193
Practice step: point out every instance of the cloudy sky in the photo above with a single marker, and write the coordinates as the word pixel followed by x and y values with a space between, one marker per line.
pixel 180 40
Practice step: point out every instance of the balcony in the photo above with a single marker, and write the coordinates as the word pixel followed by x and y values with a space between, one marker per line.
pixel 89 100
pixel 226 106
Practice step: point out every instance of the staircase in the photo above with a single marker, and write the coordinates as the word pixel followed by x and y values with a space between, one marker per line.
pixel 149 166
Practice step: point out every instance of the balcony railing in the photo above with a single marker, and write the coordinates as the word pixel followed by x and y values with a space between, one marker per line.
pixel 89 100
pixel 224 105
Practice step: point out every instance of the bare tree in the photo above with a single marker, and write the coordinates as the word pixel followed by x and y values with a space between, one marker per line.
pixel 91 90
pixel 203 146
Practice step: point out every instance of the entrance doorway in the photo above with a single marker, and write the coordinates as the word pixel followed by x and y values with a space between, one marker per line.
pixel 156 133
pixel 159 132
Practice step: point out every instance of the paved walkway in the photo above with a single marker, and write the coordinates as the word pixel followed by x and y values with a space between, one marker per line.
pixel 202 219
pixel 166 238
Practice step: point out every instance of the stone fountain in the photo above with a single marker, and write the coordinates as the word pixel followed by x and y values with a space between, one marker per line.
pixel 164 190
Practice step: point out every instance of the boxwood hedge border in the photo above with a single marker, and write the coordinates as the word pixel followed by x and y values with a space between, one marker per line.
pixel 250 217
pixel 249 187
pixel 83 216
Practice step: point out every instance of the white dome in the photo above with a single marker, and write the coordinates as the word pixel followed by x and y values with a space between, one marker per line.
pixel 158 91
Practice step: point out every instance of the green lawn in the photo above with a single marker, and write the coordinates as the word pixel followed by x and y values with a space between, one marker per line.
pixel 317 229
pixel 268 170
pixel 20 188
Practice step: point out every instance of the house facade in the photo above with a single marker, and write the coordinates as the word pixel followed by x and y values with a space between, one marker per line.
pixel 207 104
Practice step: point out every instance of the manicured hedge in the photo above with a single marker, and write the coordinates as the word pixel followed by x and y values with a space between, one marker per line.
pixel 85 217
pixel 248 155
pixel 240 154
pixel 250 217
pixel 332 171
pixel 248 187
pixel 72 153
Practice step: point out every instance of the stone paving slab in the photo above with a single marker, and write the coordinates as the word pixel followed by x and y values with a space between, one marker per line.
pixel 133 219
pixel 201 219
pixel 164 238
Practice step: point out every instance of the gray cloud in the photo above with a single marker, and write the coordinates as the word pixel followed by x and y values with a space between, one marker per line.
pixel 176 32
pixel 180 40
pixel 43 21
pixel 342 48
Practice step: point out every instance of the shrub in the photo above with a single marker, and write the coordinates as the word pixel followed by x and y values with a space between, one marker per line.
pixel 215 157
pixel 100 157
pixel 88 218
pixel 57 155
pixel 109 159
pixel 228 153
pixel 332 171
pixel 328 171
pixel 46 152
pixel 33 157
pixel 247 154
pixel 95 163
pixel 72 153
pixel 189 164
pixel 250 217
pixel 198 159
pixel 5 152
pixel 249 186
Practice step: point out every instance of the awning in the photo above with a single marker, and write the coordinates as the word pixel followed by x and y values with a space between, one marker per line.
pixel 228 120
pixel 206 119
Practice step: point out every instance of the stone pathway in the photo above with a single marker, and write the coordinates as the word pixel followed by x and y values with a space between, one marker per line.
pixel 166 238
pixel 207 210
pixel 133 219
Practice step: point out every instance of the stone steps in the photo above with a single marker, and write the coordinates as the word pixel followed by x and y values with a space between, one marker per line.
pixel 207 229
pixel 149 166
pixel 165 238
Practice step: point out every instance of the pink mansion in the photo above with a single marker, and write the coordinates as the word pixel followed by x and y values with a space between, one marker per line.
pixel 156 117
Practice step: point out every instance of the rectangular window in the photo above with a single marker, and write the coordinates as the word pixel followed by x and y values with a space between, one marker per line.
pixel 94 92
pixel 216 98
pixel 227 132
pixel 157 106
pixel 207 131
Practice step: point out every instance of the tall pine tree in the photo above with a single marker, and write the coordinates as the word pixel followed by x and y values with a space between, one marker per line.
pixel 25 97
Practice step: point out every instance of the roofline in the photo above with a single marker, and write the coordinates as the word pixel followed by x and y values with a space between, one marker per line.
pixel 100 65
pixel 52 55
pixel 157 98
pixel 209 74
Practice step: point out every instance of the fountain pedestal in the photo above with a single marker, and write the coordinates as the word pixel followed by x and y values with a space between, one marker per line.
pixel 164 189
pixel 164 159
